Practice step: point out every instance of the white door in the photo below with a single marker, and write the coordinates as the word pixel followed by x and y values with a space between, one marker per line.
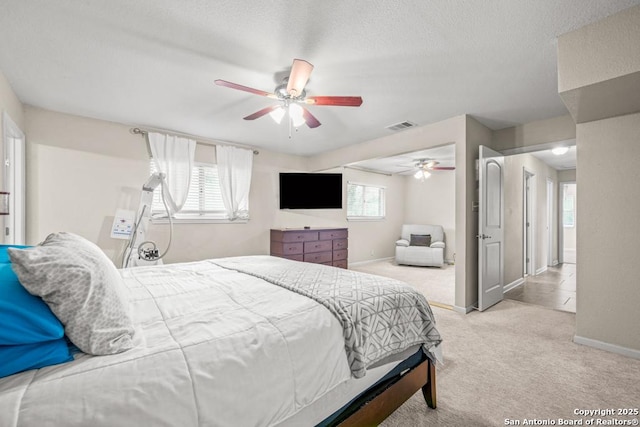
pixel 14 178
pixel 490 228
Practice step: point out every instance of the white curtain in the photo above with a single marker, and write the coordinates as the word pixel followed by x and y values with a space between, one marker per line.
pixel 234 174
pixel 173 156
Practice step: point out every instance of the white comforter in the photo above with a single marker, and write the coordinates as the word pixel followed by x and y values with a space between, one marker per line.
pixel 217 348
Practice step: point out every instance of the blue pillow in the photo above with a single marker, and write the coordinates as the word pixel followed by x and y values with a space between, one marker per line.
pixel 25 318
pixel 18 358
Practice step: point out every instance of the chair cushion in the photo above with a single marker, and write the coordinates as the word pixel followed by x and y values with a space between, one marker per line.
pixel 420 240
pixel 436 231
pixel 402 242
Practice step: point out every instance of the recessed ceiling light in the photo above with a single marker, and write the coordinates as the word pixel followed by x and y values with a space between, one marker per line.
pixel 559 151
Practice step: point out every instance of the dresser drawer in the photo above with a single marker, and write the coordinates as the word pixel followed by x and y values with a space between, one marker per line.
pixel 281 248
pixel 333 234
pixel 341 264
pixel 318 246
pixel 340 255
pixel 318 257
pixel 293 236
pixel 340 244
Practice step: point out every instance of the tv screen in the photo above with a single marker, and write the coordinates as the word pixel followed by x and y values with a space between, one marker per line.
pixel 310 191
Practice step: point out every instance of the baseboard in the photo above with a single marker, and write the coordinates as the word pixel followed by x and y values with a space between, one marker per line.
pixel 513 284
pixel 463 310
pixel 629 352
pixel 369 261
pixel 541 270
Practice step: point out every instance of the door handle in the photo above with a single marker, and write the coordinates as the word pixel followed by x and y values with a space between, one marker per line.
pixel 482 236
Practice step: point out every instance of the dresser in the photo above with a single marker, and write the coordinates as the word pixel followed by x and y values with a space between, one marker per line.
pixel 327 246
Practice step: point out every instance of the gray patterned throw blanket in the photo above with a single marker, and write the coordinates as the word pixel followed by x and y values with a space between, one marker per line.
pixel 379 316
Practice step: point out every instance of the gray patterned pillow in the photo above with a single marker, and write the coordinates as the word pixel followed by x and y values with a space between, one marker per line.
pixel 83 289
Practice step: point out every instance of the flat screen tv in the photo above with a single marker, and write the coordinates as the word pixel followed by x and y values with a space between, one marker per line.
pixel 310 191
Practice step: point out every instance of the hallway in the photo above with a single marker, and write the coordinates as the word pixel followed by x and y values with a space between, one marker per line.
pixel 555 288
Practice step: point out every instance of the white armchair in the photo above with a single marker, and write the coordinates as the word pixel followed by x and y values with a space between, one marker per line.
pixel 428 253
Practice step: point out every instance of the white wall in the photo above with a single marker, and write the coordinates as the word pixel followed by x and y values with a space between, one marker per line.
pixel 80 170
pixel 433 201
pixel 596 58
pixel 608 245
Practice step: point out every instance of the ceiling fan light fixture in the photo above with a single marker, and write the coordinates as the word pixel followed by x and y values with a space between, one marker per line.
pixel 422 174
pixel 277 114
pixel 559 151
pixel 296 114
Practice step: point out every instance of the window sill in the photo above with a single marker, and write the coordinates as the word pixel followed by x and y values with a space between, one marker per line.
pixel 365 218
pixel 194 220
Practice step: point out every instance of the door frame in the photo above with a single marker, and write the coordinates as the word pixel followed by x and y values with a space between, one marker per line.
pixel 14 166
pixel 550 222
pixel 528 215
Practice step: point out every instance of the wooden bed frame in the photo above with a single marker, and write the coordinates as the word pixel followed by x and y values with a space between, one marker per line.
pixel 390 395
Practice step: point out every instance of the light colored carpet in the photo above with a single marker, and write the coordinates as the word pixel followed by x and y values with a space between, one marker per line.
pixel 517 361
pixel 437 284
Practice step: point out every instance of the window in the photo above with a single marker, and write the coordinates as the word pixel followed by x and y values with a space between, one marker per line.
pixel 568 211
pixel 365 202
pixel 204 200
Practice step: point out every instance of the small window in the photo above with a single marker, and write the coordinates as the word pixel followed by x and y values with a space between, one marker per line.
pixel 365 202
pixel 569 211
pixel 204 200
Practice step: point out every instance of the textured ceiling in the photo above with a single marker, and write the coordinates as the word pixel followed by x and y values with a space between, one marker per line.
pixel 153 62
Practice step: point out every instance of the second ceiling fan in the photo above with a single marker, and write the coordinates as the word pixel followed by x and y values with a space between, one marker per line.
pixel 293 96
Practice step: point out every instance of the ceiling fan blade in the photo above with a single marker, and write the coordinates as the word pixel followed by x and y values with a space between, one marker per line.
pixel 300 72
pixel 261 113
pixel 310 119
pixel 442 168
pixel 244 88
pixel 342 101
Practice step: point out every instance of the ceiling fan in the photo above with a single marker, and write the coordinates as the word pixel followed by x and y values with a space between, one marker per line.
pixel 424 167
pixel 292 94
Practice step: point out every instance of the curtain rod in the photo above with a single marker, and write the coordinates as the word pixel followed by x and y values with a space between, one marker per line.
pixel 143 132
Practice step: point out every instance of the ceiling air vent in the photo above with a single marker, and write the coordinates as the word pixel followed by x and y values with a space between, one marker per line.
pixel 401 126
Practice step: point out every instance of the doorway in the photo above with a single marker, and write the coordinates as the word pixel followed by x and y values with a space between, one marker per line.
pixel 528 222
pixel 13 143
pixel 569 219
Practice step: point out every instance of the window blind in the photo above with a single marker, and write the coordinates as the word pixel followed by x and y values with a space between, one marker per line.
pixel 365 201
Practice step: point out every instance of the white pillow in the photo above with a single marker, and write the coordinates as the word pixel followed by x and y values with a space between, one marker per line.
pixel 402 242
pixel 83 289
pixel 437 245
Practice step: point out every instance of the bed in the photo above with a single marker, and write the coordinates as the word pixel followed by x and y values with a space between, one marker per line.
pixel 250 341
